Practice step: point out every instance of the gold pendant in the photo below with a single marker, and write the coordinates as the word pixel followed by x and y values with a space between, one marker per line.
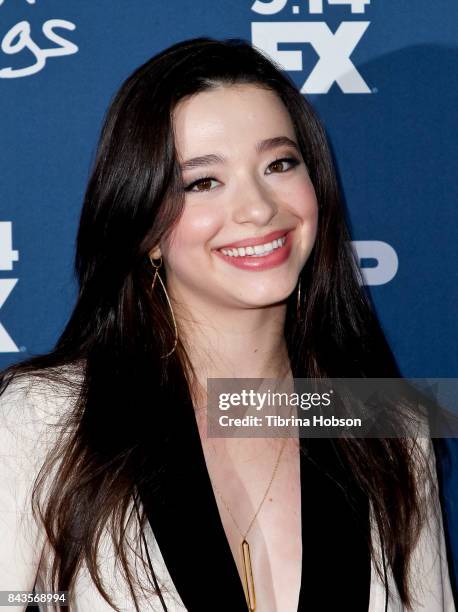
pixel 248 576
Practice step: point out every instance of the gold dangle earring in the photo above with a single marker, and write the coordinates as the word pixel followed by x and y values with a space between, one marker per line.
pixel 298 300
pixel 156 267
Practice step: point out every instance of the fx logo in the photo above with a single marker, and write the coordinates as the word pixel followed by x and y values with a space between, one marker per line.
pixel 333 48
pixel 7 257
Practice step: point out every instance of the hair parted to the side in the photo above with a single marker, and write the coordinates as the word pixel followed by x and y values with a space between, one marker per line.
pixel 119 329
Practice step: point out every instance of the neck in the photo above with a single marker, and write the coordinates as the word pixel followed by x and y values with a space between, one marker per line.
pixel 233 343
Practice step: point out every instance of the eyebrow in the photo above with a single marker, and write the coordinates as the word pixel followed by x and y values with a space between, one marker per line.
pixel 261 147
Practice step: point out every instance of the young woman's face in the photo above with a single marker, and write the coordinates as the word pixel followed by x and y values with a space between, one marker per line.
pixel 250 216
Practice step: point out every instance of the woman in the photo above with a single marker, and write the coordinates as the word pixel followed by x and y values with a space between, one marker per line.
pixel 212 244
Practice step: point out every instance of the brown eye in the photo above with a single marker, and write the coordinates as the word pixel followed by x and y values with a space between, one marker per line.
pixel 203 184
pixel 278 164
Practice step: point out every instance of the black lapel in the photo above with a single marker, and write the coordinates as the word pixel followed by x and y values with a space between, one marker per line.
pixel 336 568
pixel 184 517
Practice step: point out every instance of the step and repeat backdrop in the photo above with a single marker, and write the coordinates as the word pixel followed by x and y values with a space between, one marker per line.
pixel 382 77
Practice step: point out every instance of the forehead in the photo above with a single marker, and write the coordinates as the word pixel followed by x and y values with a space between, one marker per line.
pixel 234 115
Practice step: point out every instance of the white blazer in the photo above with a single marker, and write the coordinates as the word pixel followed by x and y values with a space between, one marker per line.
pixel 27 412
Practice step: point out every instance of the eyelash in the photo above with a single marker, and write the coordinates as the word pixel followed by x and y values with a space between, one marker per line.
pixel 292 160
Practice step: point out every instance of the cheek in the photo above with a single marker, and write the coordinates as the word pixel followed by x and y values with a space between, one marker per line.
pixel 304 202
pixel 193 233
pixel 304 205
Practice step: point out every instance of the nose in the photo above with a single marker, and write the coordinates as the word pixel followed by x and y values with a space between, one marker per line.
pixel 254 203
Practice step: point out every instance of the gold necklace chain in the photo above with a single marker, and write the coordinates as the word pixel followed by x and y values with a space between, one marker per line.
pixel 244 535
pixel 245 549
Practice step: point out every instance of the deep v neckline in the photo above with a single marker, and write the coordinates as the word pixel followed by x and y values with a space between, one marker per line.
pixel 183 514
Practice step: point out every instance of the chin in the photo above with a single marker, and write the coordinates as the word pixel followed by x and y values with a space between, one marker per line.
pixel 271 300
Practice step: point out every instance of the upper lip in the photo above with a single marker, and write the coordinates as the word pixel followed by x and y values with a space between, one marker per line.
pixel 256 240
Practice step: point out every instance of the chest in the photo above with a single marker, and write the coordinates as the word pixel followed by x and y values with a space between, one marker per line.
pixel 258 494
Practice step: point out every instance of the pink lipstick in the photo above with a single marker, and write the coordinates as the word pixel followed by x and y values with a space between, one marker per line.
pixel 261 253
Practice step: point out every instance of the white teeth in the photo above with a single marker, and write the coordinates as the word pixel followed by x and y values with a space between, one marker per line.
pixel 258 250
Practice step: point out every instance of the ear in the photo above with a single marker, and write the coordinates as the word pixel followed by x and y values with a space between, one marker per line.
pixel 155 253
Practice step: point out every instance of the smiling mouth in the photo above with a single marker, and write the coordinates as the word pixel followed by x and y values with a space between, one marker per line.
pixel 259 250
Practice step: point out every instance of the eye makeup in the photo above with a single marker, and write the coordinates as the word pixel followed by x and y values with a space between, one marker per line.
pixel 293 161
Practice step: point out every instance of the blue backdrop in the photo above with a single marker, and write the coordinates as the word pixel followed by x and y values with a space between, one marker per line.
pixel 382 76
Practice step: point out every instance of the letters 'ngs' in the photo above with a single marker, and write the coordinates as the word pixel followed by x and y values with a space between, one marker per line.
pixel 333 48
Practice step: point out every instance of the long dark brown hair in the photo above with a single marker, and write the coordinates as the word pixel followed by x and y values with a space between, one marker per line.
pixel 119 329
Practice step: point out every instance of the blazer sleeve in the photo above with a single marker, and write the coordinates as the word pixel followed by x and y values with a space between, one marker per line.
pixel 30 414
pixel 24 442
pixel 430 572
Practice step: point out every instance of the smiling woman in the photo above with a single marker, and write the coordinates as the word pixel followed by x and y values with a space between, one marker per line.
pixel 256 190
pixel 212 244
